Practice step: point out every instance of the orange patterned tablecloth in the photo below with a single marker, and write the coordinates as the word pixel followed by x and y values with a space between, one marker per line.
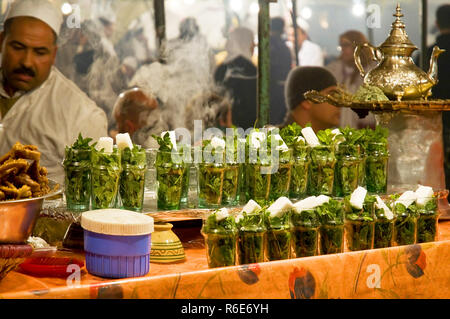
pixel 415 271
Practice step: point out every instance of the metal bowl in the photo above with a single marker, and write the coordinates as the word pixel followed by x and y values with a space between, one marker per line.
pixel 18 217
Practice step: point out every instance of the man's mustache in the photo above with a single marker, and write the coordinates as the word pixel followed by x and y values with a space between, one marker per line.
pixel 24 70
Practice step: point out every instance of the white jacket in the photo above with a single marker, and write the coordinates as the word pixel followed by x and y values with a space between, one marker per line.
pixel 51 117
pixel 310 54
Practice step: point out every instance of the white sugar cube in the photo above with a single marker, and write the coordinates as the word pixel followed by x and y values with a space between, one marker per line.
pixel 381 205
pixel 424 194
pixel 357 197
pixel 322 199
pixel 250 207
pixel 222 214
pixel 123 141
pixel 407 198
pixel 279 207
pixel 305 204
pixel 105 143
pixel 310 136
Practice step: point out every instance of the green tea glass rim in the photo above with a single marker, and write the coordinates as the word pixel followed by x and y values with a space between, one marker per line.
pixel 97 167
pixel 84 164
pixel 128 166
pixel 351 146
pixel 224 232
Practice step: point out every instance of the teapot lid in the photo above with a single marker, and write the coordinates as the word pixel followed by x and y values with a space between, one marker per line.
pixel 398 37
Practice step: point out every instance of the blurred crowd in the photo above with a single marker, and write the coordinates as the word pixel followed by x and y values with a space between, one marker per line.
pixel 191 81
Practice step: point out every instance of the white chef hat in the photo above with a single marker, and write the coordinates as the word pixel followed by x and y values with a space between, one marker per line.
pixel 39 9
pixel 303 24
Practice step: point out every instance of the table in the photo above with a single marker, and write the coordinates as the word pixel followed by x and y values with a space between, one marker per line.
pixel 414 271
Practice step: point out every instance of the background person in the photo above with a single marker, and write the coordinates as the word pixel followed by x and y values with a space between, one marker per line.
pixel 347 75
pixel 303 79
pixel 237 76
pixel 309 53
pixel 137 112
pixel 39 105
pixel 442 89
pixel 280 65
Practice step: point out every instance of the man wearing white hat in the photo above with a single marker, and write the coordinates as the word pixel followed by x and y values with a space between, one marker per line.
pixel 38 104
pixel 310 53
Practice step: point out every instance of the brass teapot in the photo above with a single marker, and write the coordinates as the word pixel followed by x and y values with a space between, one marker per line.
pixel 396 74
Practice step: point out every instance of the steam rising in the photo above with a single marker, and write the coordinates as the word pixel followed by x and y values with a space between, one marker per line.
pixel 96 79
pixel 186 74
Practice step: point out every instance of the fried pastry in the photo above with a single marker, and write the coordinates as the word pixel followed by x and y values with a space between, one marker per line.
pixel 25 179
pixel 18 164
pixel 24 192
pixel 21 175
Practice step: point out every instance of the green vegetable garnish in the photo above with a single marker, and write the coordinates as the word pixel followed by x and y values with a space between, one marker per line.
pixel 211 175
pixel 292 135
pixel 280 181
pixel 220 239
pixel 305 233
pixel 132 178
pixel 405 224
pixel 251 238
pixel 321 170
pixel 427 222
pixel 170 170
pixel 234 151
pixel 326 137
pixel 278 236
pixel 331 216
pixel 230 184
pixel 257 184
pixel 165 144
pixel 348 166
pixel 359 224
pixel 77 169
pixel 377 156
pixel 210 184
pixel 106 170
pixel 368 93
pixel 383 229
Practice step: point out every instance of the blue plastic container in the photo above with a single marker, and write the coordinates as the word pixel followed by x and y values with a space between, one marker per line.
pixel 110 250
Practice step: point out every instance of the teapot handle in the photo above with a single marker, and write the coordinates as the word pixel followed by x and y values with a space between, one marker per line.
pixel 376 53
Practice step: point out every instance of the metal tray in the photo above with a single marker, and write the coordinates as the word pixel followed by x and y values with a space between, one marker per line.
pixel 343 99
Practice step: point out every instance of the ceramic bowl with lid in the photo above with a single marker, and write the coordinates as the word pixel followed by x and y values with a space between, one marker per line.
pixel 117 242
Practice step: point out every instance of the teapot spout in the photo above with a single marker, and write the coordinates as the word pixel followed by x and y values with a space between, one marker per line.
pixel 433 70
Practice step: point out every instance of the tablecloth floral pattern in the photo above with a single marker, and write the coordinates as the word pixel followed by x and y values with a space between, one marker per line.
pixel 414 271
